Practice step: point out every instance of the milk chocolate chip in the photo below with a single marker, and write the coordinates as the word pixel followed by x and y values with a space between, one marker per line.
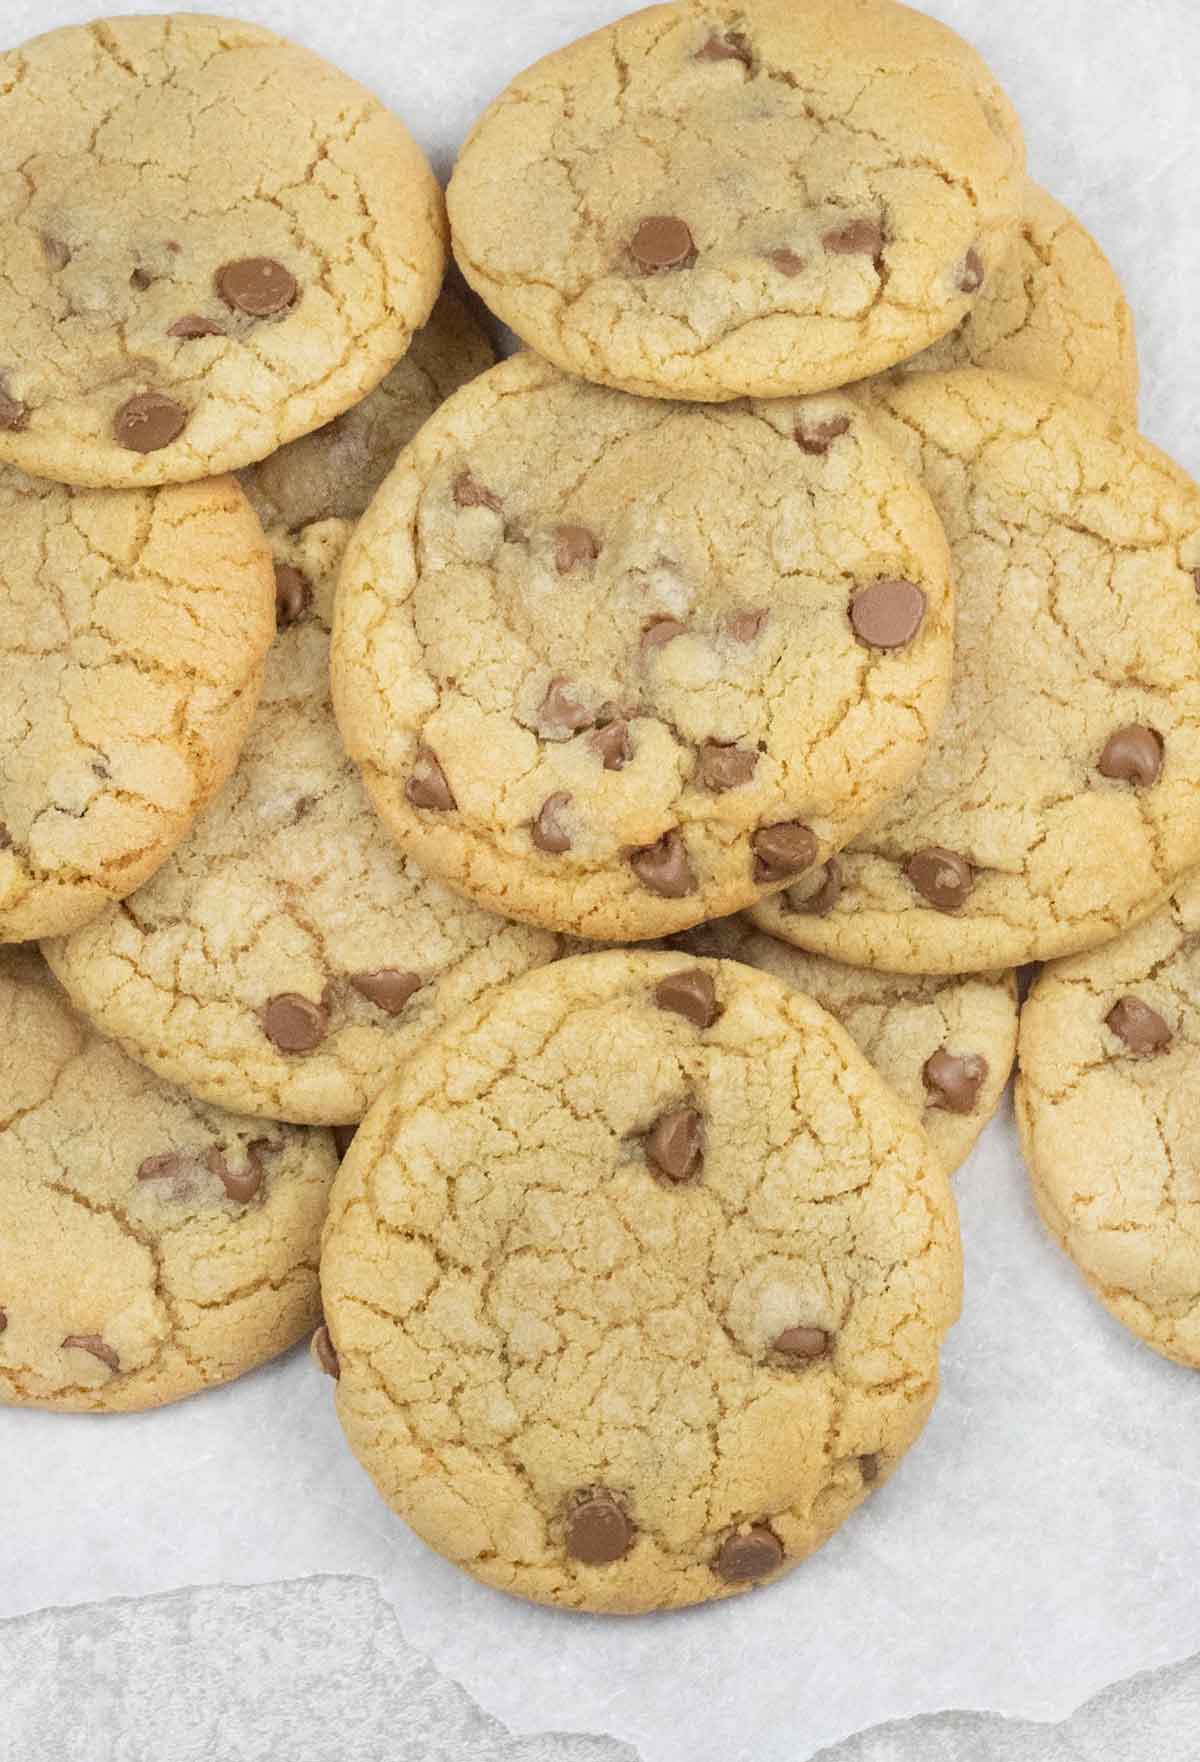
pixel 691 994
pixel 675 1143
pixel 664 867
pixel 291 595
pixel 941 876
pixel 57 252
pixel 547 830
pixel 148 421
pixel 954 1080
pixel 389 988
pixel 193 325
pixel 163 1167
pixel 613 744
pixel 752 1554
pixel 786 261
pixel 887 614
pixel 868 1466
pixel 731 46
pixel 746 625
pixel 574 545
pixel 1142 1029
pixel 292 1023
pixel 470 493
pixel 725 767
pixel 802 1342
pixel 1132 755
pixel 427 786
pixel 783 849
pixel 241 1184
pixel 96 1346
pixel 856 238
pixel 660 631
pixel 971 275
pixel 561 713
pixel 662 241
pixel 822 901
pixel 817 437
pixel 326 1352
pixel 258 286
pixel 598 1531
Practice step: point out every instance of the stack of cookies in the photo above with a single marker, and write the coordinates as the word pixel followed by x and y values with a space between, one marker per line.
pixel 664 750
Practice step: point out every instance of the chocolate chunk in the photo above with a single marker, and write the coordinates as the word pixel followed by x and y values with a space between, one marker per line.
pixel 660 631
pixel 887 614
pixel 561 713
pixel 470 493
pixel 745 626
pixel 786 261
pixel 13 415
pixel 57 252
pixel 856 238
pixel 1132 755
pixel 292 1023
pixel 598 1531
pixel 663 867
pixel 343 1138
pixel 326 1352
pixel 258 286
pixel 613 744
pixel 96 1346
pixel 941 876
pixel 1142 1029
pixel 869 1466
pixel 148 421
pixel 821 902
pixel 971 275
pixel 574 545
pixel 753 1554
pixel 141 279
pixel 725 767
pixel 732 46
pixel 194 324
pixel 291 595
pixel 241 1184
pixel 784 849
pixel 691 994
pixel 662 241
pixel 388 987
pixel 802 1342
pixel 427 786
pixel 817 437
pixel 675 1143
pixel 954 1080
pixel 547 830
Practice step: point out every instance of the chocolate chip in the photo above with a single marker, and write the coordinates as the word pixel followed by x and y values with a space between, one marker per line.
pixel 971 275
pixel 470 493
pixel 745 626
pixel 869 1466
pixel 691 994
pixel 96 1346
pixel 822 901
pixel 163 1167
pixel 1132 755
pixel 388 987
pixel 141 279
pixel 148 421
pixel 802 1342
pixel 725 767
pixel 257 286
pixel 561 714
pixel 784 849
pixel 598 1531
pixel 291 594
pixel 954 1080
pixel 675 1143
pixel 292 1023
pixel 941 876
pixel 194 324
pixel 3 1320
pixel 14 415
pixel 817 437
pixel 660 631
pixel 547 829
pixel 6 842
pixel 786 261
pixel 662 241
pixel 752 1554
pixel 887 614
pixel 574 545
pixel 343 1138
pixel 1141 1028
pixel 326 1353
pixel 613 744
pixel 427 786
pixel 663 867
pixel 733 46
pixel 57 251
pixel 856 238
pixel 241 1184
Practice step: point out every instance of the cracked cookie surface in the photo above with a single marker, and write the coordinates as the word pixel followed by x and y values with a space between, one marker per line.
pixel 1110 1122
pixel 758 197
pixel 637 1279
pixel 945 1045
pixel 150 1246
pixel 1058 803
pixel 213 241
pixel 614 665
pixel 135 626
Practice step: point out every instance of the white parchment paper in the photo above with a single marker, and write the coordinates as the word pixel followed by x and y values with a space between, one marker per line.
pixel 1042 1540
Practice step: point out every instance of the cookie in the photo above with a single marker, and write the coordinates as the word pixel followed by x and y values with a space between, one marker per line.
pixel 1110 1123
pixel 615 666
pixel 946 1046
pixel 214 243
pixel 741 197
pixel 635 1281
pixel 1053 309
pixel 150 1246
pixel 134 630
pixel 1061 797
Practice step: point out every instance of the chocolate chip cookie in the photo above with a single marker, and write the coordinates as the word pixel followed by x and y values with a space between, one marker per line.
pixel 150 1246
pixel 1110 1120
pixel 615 666
pixel 729 197
pixel 134 629
pixel 1058 801
pixel 635 1282
pixel 214 243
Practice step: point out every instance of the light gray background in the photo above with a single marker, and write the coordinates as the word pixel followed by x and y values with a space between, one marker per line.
pixel 1042 1541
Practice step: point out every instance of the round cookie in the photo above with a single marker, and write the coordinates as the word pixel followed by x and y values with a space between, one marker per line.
pixel 1110 1122
pixel 150 1246
pixel 1053 309
pixel 615 666
pixel 134 629
pixel 214 242
pixel 636 1280
pixel 945 1045
pixel 1059 801
pixel 721 198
